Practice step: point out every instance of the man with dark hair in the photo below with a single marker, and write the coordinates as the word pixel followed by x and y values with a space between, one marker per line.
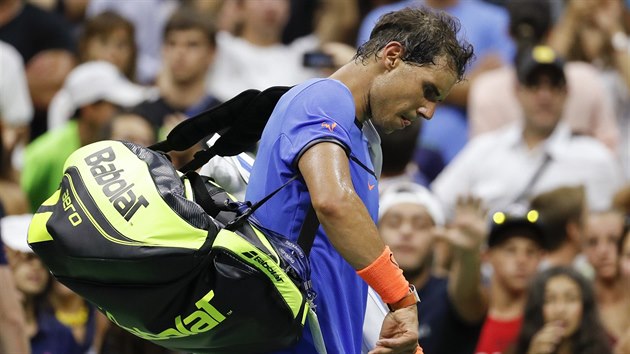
pixel 187 52
pixel 564 212
pixel 408 66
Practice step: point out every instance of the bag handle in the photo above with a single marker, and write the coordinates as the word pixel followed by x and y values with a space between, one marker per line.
pixel 242 118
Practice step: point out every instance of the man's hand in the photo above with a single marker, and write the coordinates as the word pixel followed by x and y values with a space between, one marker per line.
pixel 399 333
pixel 470 227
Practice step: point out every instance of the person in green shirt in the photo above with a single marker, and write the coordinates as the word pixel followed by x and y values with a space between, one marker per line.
pixel 92 93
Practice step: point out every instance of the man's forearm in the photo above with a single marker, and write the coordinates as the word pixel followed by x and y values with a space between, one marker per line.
pixel 465 289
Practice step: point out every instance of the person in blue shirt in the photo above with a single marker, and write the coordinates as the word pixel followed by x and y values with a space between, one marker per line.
pixel 323 130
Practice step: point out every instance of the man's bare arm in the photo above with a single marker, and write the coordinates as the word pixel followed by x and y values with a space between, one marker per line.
pixel 325 168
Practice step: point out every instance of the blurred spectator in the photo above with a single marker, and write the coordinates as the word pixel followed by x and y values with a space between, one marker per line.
pixel 110 37
pixel 77 314
pixel 408 220
pixel 601 247
pixel 46 74
pixel 188 50
pixel 515 248
pixel 594 31
pixel 12 198
pixel 132 128
pixel 561 316
pixel 563 211
pixel 398 148
pixel 492 99
pixel 254 55
pixel 12 320
pixel 91 106
pixel 149 18
pixel 485 26
pixel 47 335
pixel 16 107
pixel 31 30
pixel 536 155
pixel 187 53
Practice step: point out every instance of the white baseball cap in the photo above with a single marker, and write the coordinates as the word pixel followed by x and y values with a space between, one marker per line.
pixel 14 230
pixel 409 192
pixel 91 82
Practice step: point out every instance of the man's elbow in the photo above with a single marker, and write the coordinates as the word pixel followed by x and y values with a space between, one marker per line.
pixel 332 205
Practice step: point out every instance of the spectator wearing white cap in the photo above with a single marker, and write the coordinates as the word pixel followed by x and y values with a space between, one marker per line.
pixel 12 320
pixel 410 218
pixel 32 280
pixel 91 95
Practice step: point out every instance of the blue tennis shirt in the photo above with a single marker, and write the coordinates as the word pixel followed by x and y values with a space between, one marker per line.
pixel 315 111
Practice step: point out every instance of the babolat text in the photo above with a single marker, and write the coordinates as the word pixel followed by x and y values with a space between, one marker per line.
pixel 119 192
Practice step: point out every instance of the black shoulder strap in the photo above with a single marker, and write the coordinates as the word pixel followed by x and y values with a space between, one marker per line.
pixel 308 231
pixel 535 177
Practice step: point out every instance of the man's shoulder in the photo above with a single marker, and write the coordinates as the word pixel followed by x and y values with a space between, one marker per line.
pixel 587 148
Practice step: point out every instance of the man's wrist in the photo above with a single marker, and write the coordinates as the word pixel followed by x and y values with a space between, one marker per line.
pixel 410 299
pixel 385 277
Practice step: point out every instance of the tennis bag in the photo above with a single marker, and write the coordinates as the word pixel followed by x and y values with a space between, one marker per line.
pixel 170 256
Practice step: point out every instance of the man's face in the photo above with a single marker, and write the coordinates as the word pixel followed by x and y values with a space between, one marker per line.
pixel 542 104
pixel 600 243
pixel 187 55
pixel 116 48
pixel 408 92
pixel 515 262
pixel 407 229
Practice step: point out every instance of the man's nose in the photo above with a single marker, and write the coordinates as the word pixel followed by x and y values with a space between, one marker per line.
pixel 427 111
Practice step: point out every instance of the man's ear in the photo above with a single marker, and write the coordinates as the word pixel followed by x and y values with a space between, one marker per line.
pixel 392 52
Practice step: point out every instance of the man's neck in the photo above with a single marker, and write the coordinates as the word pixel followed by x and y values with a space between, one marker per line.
pixel 563 256
pixel 608 291
pixel 534 138
pixel 358 79
pixel 266 38
pixel 182 95
pixel 505 305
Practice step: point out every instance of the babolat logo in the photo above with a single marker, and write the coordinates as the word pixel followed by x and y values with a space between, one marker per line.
pixel 204 319
pixel 119 191
pixel 253 255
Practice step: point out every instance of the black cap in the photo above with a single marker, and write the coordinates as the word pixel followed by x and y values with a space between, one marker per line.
pixel 534 61
pixel 506 225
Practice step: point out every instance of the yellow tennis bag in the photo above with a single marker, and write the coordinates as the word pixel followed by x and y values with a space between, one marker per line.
pixel 170 256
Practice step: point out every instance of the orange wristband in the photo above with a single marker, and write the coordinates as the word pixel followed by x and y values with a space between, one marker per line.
pixel 386 278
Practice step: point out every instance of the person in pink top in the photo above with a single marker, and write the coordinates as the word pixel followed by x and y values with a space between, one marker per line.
pixel 492 101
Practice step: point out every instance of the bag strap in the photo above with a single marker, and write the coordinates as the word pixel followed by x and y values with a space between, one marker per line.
pixel 535 177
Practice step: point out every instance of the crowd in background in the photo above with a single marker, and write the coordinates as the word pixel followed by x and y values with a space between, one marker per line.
pixel 509 210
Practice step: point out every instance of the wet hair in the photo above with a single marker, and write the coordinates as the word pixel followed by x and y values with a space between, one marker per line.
pixel 426 35
pixel 589 337
pixel 557 209
pixel 188 19
pixel 103 25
